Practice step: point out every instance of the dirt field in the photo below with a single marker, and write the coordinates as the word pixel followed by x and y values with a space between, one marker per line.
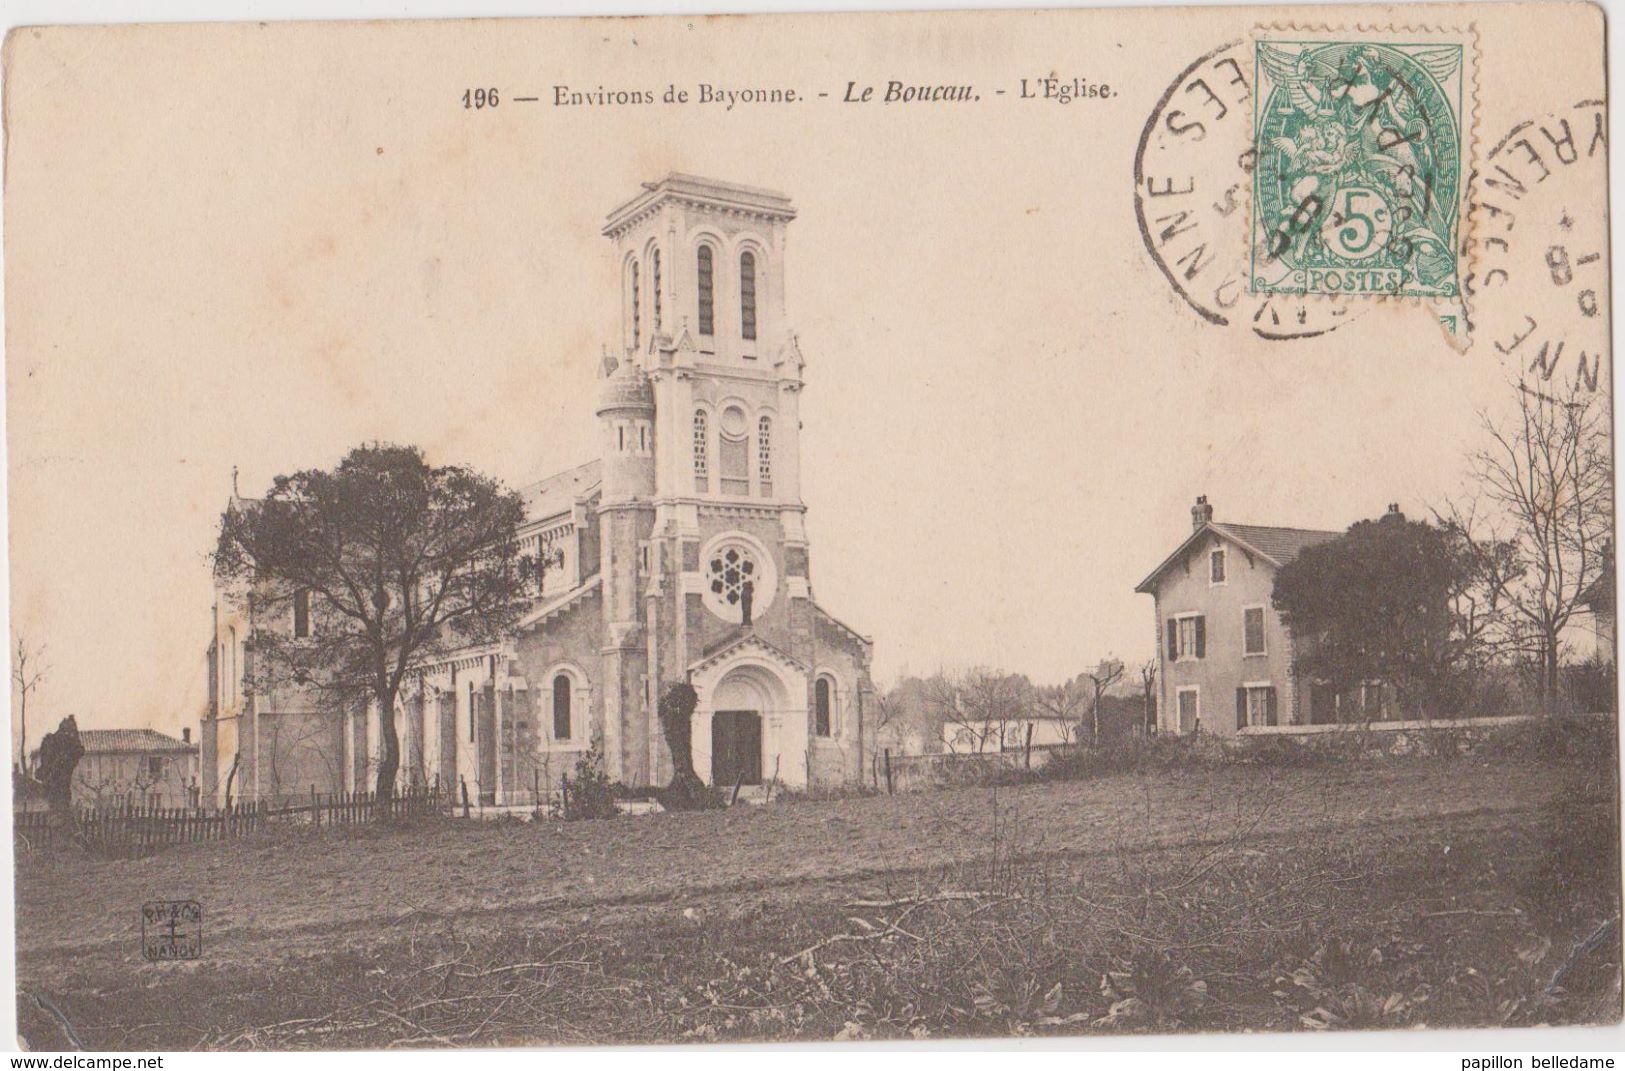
pixel 693 925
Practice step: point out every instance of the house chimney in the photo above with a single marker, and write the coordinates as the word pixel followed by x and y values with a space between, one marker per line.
pixel 1393 513
pixel 186 735
pixel 1201 513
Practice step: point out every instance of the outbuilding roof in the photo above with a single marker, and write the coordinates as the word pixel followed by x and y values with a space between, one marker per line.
pixel 146 741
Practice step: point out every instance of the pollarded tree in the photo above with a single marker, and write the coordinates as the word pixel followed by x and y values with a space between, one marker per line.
pixel 1376 604
pixel 389 561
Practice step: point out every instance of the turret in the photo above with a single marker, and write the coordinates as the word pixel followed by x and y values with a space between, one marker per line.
pixel 626 410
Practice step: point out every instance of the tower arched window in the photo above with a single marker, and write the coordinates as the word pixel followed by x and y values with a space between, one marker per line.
pixel 764 456
pixel 823 707
pixel 636 326
pixel 702 474
pixel 561 707
pixel 706 289
pixel 747 296
pixel 654 285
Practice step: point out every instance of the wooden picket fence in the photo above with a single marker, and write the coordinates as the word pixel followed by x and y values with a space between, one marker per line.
pixel 134 828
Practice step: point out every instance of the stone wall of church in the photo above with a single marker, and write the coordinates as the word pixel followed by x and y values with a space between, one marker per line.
pixel 570 643
pixel 843 660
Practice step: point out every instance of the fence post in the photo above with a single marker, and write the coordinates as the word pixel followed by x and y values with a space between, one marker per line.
pixel 888 772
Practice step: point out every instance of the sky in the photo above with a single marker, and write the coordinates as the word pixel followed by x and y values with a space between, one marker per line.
pixel 306 242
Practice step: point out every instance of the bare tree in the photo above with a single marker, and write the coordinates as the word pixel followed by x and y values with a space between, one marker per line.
pixel 1108 673
pixel 1148 693
pixel 979 703
pixel 27 671
pixel 1065 703
pixel 1539 524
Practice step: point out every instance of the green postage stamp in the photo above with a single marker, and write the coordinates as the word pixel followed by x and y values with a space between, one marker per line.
pixel 1363 152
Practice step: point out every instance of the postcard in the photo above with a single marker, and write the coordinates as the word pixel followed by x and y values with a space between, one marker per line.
pixel 862 526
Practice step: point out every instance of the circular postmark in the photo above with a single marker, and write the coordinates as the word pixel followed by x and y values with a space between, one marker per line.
pixel 1193 181
pixel 1539 274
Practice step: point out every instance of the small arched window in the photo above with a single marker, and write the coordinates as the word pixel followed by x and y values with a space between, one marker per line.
pixel 823 704
pixel 561 707
pixel 707 280
pixel 747 295
pixel 764 456
pixel 654 284
pixel 636 326
pixel 701 469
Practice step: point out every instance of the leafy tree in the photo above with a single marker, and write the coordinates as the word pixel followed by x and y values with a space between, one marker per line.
pixel 400 562
pixel 1376 604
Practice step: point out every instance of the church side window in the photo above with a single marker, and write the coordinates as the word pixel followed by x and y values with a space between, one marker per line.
pixel 701 475
pixel 561 707
pixel 301 614
pixel 764 455
pixel 654 284
pixel 733 448
pixel 822 707
pixel 636 326
pixel 747 295
pixel 707 297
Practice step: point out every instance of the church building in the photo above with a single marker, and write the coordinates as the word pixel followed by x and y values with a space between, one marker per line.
pixel 679 554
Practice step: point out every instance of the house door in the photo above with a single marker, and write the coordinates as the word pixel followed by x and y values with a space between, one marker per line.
pixel 1188 710
pixel 736 747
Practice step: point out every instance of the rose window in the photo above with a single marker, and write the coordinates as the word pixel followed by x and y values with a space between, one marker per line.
pixel 729 570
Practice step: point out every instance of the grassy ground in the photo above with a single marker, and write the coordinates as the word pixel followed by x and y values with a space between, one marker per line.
pixel 1440 892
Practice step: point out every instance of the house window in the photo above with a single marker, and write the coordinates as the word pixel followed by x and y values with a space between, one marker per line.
pixel 764 456
pixel 301 614
pixel 636 326
pixel 561 707
pixel 701 476
pixel 654 284
pixel 155 768
pixel 1187 637
pixel 706 282
pixel 747 296
pixel 1255 705
pixel 1252 630
pixel 1215 562
pixel 821 707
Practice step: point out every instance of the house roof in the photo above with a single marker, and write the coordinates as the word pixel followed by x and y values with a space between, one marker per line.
pixel 1275 545
pixel 558 493
pixel 106 741
pixel 1599 597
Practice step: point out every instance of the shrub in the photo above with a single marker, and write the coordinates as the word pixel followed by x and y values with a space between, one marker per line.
pixel 590 793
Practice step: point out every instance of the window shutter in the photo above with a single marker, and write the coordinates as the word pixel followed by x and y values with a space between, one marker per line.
pixel 1274 709
pixel 1201 637
pixel 1173 639
pixel 1241 708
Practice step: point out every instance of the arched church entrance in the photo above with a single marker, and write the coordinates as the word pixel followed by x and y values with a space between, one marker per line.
pixel 736 747
pixel 745 708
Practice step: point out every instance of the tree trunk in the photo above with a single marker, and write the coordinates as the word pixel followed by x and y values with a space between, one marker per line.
pixel 1548 672
pixel 389 759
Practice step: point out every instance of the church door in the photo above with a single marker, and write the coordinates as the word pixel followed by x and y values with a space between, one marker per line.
pixel 736 747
